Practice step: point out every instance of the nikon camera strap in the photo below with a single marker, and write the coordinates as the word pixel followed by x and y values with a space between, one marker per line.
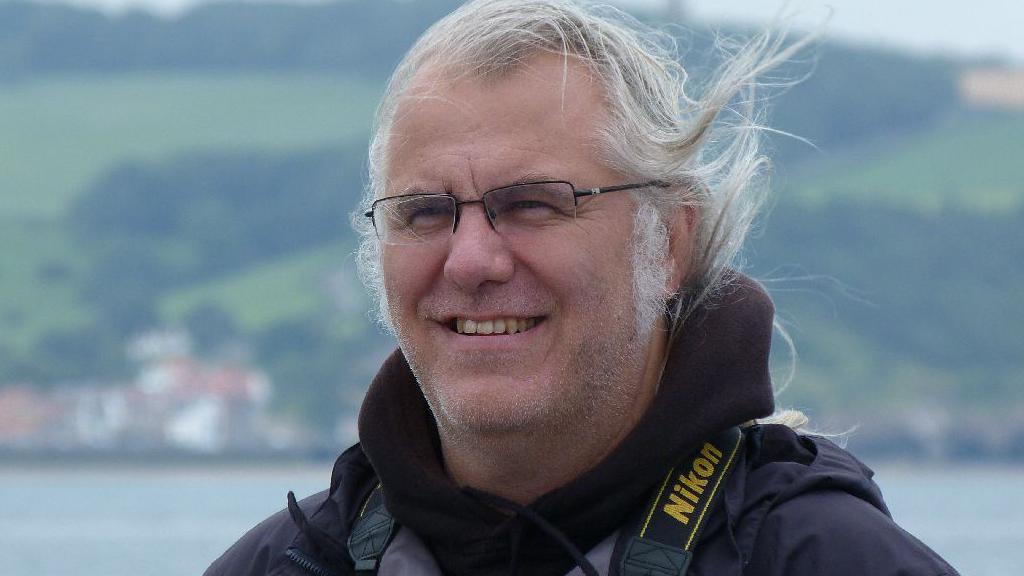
pixel 661 542
pixel 371 534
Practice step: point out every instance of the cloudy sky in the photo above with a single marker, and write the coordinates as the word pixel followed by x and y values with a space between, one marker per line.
pixel 989 27
pixel 978 27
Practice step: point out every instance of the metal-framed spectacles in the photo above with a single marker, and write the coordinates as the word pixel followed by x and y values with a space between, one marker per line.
pixel 511 210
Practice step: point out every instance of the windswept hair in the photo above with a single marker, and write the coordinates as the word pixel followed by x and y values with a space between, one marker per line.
pixel 706 143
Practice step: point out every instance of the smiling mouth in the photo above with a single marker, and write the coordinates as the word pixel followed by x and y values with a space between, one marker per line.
pixel 497 326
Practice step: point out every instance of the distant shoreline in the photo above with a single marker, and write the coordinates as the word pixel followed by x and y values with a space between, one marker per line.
pixel 165 460
pixel 323 460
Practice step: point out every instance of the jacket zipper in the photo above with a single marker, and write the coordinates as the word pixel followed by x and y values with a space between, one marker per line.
pixel 307 563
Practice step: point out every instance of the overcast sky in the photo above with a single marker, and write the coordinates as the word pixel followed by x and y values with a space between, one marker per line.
pixel 975 27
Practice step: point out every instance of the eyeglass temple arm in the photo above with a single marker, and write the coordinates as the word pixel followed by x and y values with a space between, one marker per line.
pixel 605 189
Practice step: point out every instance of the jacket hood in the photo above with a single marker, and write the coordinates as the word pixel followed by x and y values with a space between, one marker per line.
pixel 716 376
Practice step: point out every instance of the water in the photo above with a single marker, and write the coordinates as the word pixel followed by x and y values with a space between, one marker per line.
pixel 127 521
pixel 124 521
pixel 974 517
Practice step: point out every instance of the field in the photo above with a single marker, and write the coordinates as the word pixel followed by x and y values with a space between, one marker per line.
pixel 58 135
pixel 969 162
pixel 279 290
pixel 38 293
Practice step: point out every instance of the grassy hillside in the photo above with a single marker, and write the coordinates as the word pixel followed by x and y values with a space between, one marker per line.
pixel 38 290
pixel 299 286
pixel 889 306
pixel 59 134
pixel 971 162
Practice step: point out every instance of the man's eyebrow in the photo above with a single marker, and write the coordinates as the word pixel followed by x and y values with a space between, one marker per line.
pixel 419 189
pixel 528 177
pixel 415 190
pixel 446 188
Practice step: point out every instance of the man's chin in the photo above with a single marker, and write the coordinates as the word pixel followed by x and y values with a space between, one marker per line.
pixel 494 405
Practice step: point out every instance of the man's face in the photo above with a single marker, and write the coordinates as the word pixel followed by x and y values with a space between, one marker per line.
pixel 582 358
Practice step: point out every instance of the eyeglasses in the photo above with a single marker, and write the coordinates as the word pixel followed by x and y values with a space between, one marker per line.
pixel 511 210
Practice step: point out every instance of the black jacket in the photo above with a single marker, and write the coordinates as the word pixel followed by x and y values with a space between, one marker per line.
pixel 793 506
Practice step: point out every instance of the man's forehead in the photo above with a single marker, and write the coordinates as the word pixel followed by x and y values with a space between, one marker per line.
pixel 543 106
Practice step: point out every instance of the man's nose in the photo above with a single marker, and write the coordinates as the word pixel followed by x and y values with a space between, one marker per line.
pixel 477 254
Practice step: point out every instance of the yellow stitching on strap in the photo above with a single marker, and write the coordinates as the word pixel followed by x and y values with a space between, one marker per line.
pixel 711 497
pixel 657 500
pixel 367 502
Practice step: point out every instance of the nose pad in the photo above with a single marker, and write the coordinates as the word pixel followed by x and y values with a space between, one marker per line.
pixel 460 207
pixel 477 254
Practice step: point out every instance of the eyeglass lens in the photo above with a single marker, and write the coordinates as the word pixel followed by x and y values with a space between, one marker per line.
pixel 512 210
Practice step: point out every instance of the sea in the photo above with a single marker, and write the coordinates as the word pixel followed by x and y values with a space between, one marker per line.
pixel 121 520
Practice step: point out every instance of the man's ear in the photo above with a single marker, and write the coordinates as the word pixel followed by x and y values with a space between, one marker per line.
pixel 682 226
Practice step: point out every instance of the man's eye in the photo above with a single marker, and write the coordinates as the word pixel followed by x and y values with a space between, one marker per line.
pixel 418 214
pixel 426 215
pixel 529 205
pixel 421 212
pixel 532 204
pixel 527 212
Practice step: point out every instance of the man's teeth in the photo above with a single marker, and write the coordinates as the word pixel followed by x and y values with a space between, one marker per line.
pixel 497 326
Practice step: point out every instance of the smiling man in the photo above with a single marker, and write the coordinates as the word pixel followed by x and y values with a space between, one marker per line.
pixel 579 373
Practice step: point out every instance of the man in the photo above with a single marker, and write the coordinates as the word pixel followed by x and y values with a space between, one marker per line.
pixel 549 240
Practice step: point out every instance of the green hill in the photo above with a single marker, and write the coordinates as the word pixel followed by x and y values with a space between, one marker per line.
pixel 971 162
pixel 38 284
pixel 59 134
pixel 277 291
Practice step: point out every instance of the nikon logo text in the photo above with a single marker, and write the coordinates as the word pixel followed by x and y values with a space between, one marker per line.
pixel 691 484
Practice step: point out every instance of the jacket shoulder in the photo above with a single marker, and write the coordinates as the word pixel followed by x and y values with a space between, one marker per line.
pixel 262 548
pixel 834 532
pixel 820 513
